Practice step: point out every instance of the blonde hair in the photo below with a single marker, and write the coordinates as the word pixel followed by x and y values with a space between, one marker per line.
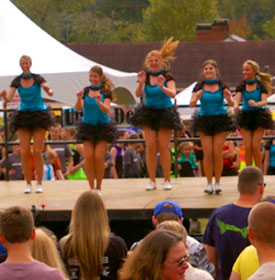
pixel 50 154
pixel 165 54
pixel 175 227
pixel 90 232
pixel 264 78
pixel 44 250
pixel 107 85
pixel 26 57
pixel 147 260
pixel 184 144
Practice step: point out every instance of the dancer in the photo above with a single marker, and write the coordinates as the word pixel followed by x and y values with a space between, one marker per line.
pixel 95 129
pixel 212 122
pixel 158 116
pixel 253 118
pixel 31 120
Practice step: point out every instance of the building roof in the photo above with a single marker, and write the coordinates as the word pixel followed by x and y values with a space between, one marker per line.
pixel 190 56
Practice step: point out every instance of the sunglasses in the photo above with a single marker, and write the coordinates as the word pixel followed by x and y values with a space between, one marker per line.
pixel 262 184
pixel 181 261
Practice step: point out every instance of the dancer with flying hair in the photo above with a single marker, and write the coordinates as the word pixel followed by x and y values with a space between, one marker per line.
pixel 254 117
pixel 157 115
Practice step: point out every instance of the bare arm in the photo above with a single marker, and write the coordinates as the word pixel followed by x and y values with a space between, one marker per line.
pixel 235 276
pixel 261 103
pixel 69 167
pixel 266 161
pixel 211 254
pixel 59 174
pixel 46 87
pixel 141 83
pixel 170 89
pixel 238 100
pixel 104 107
pixel 196 95
pixel 79 102
pixel 8 97
pixel 228 96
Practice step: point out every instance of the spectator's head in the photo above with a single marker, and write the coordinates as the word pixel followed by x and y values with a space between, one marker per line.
pixel 167 210
pixel 161 255
pixel 175 227
pixel 55 132
pixel 185 148
pixel 44 249
pixel 16 225
pixel 251 181
pixel 135 137
pixel 261 225
pixel 50 156
pixel 90 232
pixel 122 134
pixel 16 149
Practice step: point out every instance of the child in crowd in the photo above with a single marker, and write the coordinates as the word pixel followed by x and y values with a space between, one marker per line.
pixel 48 172
pixel 131 161
pixel 187 163
pixel 14 164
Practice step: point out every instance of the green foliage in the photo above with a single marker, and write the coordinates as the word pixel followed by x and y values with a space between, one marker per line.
pixel 178 18
pixel 269 28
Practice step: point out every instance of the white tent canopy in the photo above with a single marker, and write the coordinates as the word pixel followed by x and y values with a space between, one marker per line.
pixel 65 71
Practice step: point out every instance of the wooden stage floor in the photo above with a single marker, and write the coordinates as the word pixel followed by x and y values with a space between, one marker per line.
pixel 125 199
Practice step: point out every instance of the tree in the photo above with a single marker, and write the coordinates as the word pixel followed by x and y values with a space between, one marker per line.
pixel 178 18
pixel 239 27
pixel 269 29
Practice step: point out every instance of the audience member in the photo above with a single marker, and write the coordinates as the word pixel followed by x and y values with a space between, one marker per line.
pixel 191 272
pixel 269 155
pixel 168 210
pixel 187 163
pixel 14 164
pixel 90 250
pixel 16 234
pixel 48 172
pixel 226 233
pixel 117 152
pixel 63 150
pixel 110 171
pixel 161 255
pixel 43 249
pixel 261 232
pixel 131 162
pixel 77 172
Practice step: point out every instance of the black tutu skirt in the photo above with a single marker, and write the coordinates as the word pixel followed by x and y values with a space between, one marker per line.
pixel 95 133
pixel 210 125
pixel 32 120
pixel 251 120
pixel 156 118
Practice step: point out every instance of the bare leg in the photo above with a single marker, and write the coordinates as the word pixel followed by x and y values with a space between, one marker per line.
pixel 247 141
pixel 164 136
pixel 219 139
pixel 89 156
pixel 151 152
pixel 256 146
pixel 38 145
pixel 100 150
pixel 207 145
pixel 25 138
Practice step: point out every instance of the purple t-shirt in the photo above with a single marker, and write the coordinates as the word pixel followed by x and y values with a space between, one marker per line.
pixel 31 271
pixel 227 232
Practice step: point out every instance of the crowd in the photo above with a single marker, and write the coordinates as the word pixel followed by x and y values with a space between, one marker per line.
pixel 238 242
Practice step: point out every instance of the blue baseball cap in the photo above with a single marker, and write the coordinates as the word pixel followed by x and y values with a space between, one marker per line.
pixel 175 208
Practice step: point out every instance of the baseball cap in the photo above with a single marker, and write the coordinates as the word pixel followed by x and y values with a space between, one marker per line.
pixel 175 208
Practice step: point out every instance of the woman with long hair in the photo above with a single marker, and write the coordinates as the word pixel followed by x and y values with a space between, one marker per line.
pixel 44 249
pixel 32 119
pixel 158 116
pixel 254 117
pixel 90 250
pixel 212 123
pixel 161 255
pixel 95 130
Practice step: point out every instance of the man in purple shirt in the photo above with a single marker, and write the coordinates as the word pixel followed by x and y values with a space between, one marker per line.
pixel 16 234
